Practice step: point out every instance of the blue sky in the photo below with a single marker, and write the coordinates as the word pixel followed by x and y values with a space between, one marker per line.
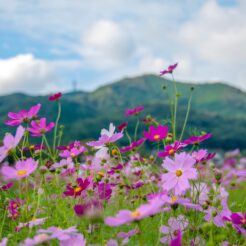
pixel 45 45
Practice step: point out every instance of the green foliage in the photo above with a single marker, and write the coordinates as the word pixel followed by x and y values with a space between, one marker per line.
pixel 216 108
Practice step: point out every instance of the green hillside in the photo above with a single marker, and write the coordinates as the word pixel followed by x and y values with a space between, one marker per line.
pixel 217 108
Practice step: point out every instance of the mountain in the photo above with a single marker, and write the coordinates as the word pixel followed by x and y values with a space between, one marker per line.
pixel 216 108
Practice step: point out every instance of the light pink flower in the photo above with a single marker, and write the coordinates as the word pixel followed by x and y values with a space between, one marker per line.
pixel 180 171
pixel 22 116
pixel 38 128
pixel 127 216
pixel 22 169
pixel 10 142
pixel 107 136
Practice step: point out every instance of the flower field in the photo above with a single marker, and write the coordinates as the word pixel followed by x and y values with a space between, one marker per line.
pixel 99 192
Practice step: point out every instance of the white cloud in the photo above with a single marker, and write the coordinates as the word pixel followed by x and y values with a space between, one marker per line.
pixel 130 37
pixel 214 43
pixel 24 73
pixel 107 45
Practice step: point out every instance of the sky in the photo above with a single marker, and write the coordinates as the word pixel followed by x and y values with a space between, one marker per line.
pixel 46 45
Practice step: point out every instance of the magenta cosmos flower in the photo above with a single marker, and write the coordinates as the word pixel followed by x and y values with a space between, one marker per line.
pixel 134 111
pixel 22 116
pixel 22 169
pixel 238 221
pixel 55 97
pixel 122 126
pixel 180 171
pixel 132 146
pixel 169 69
pixel 171 149
pixel 10 142
pixel 38 128
pixel 197 139
pixel 107 136
pixel 156 133
pixel 174 226
pixel 76 190
pixel 127 216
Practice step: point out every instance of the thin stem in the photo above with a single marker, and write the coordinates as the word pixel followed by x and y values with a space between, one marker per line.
pixel 175 108
pixel 56 126
pixel 186 117
pixel 136 130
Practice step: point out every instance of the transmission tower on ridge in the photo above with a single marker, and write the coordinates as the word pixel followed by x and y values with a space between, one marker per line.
pixel 74 85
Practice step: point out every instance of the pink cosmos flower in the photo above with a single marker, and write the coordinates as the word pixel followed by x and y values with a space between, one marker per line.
pixel 68 163
pixel 180 171
pixel 38 128
pixel 174 200
pixel 134 111
pixel 10 142
pixel 169 69
pixel 156 133
pixel 202 155
pixel 132 146
pixel 126 235
pixel 218 218
pixel 37 240
pixel 197 139
pixel 174 225
pixel 75 240
pixel 107 136
pixel 32 223
pixel 22 169
pixel 55 97
pixel 23 116
pixel 58 233
pixel 171 149
pixel 127 216
pixel 4 241
pixel 73 152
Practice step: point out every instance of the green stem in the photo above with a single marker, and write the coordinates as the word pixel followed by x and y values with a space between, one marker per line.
pixel 48 147
pixel 186 117
pixel 175 108
pixel 136 130
pixel 56 126
pixel 4 216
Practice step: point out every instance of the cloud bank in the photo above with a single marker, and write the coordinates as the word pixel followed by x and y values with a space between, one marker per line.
pixel 60 41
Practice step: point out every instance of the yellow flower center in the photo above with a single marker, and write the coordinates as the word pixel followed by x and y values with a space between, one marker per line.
pixel 179 173
pixel 171 152
pixel 101 174
pixel 21 172
pixel 42 236
pixel 135 214
pixel 174 199
pixel 72 155
pixel 31 147
pixel 77 189
pixel 243 221
pixel 14 205
pixel 114 152
pixel 156 137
